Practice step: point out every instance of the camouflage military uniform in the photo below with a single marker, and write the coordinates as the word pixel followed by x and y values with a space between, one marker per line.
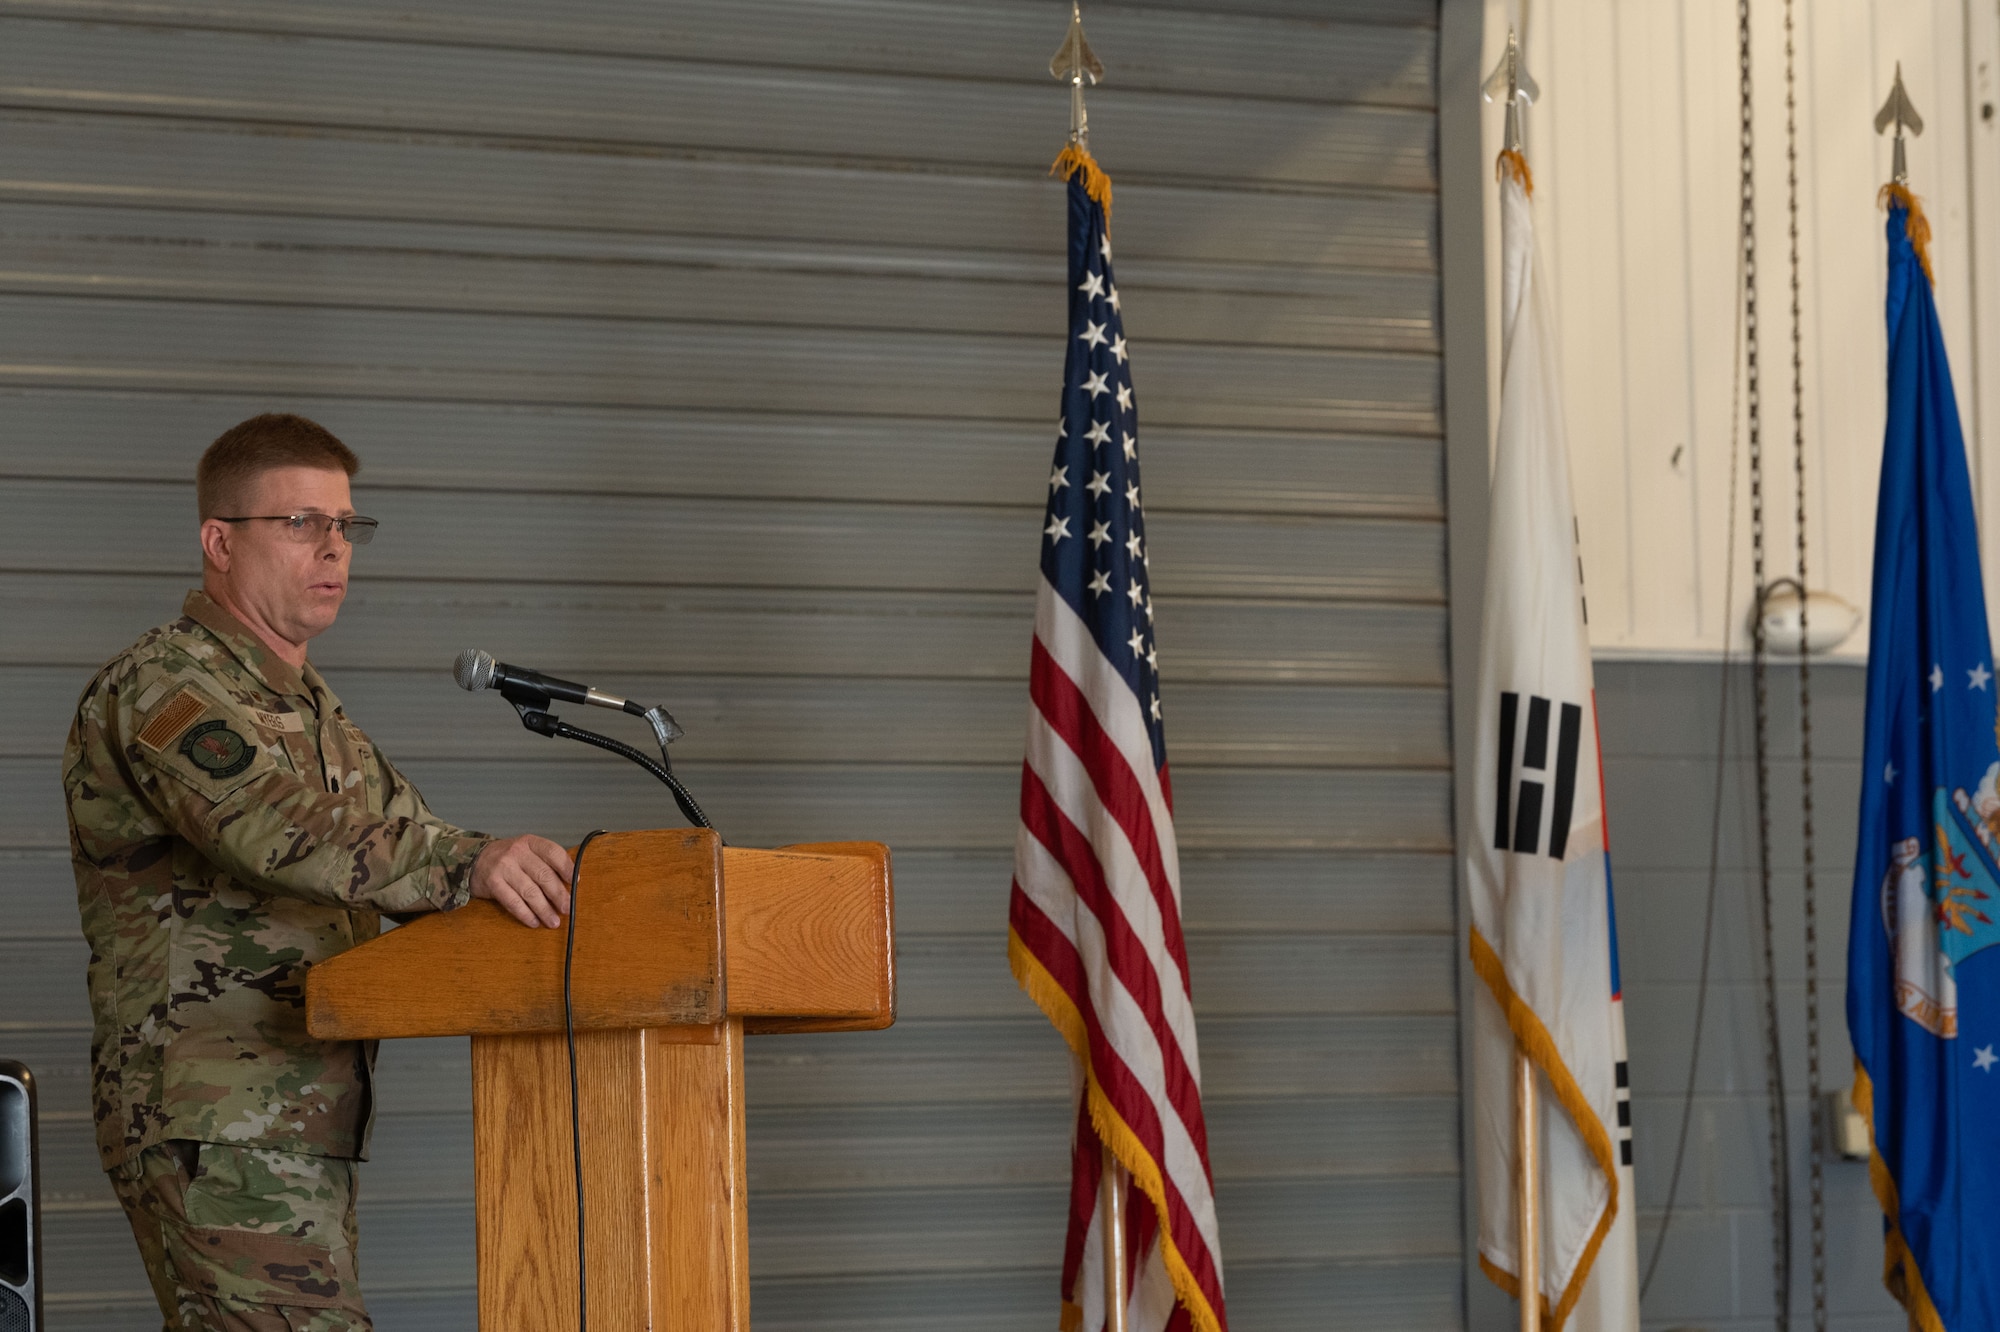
pixel 230 827
pixel 242 1239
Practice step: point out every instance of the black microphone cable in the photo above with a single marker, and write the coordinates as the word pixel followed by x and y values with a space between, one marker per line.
pixel 575 1112
pixel 557 727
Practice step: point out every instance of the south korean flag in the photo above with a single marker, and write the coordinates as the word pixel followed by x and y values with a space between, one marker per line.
pixel 1543 937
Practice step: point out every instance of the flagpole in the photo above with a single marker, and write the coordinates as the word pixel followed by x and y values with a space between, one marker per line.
pixel 1526 1140
pixel 1073 63
pixel 1510 80
pixel 1116 1298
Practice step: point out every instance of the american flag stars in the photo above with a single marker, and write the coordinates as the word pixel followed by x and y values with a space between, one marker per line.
pixel 1094 487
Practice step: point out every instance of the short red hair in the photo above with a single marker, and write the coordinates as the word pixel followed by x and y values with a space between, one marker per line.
pixel 261 444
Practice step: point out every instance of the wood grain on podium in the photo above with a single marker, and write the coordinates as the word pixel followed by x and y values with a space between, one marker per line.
pixel 818 961
pixel 698 1188
pixel 663 1171
pixel 525 1188
pixel 648 949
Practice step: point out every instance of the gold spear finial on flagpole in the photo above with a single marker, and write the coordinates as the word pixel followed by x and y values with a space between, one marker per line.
pixel 1510 79
pixel 1074 60
pixel 1899 112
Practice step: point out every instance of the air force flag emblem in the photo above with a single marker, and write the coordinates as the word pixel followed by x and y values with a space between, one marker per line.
pixel 1938 919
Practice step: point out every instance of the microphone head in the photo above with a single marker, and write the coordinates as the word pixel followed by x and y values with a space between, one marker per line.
pixel 473 670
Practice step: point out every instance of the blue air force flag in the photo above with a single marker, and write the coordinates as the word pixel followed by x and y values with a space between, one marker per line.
pixel 1544 940
pixel 1923 987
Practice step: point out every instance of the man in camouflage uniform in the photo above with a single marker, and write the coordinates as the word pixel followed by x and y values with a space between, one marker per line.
pixel 230 827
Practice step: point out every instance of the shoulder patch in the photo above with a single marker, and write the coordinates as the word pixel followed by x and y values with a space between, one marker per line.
pixel 173 717
pixel 217 750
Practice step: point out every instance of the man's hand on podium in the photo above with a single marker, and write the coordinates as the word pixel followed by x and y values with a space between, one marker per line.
pixel 528 876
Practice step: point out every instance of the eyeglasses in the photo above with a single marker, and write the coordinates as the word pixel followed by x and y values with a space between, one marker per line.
pixel 313 527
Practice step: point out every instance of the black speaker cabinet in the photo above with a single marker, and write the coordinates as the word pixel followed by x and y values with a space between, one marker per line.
pixel 20 1203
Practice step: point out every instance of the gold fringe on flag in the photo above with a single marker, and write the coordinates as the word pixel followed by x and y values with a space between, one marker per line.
pixel 1511 163
pixel 1112 1130
pixel 1900 1274
pixel 1534 1041
pixel 1074 158
pixel 1918 225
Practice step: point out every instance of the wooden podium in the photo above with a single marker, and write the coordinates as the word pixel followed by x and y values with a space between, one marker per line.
pixel 682 947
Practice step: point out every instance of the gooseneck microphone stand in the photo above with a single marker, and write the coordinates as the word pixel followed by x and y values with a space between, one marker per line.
pixel 533 705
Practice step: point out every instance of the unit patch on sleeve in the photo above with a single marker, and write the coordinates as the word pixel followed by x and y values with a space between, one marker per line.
pixel 217 750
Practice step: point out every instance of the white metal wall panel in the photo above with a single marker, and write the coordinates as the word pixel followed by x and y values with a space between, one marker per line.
pixel 708 351
pixel 1635 148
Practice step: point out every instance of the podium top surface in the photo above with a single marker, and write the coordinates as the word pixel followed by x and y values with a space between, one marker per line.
pixel 672 928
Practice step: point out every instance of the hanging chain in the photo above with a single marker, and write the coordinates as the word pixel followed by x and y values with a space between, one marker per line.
pixel 1815 1121
pixel 1722 717
pixel 1774 1072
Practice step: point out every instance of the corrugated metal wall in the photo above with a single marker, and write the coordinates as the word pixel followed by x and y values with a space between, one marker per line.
pixel 709 352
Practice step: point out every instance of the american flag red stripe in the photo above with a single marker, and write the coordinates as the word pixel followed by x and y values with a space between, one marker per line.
pixel 1127 958
pixel 1064 707
pixel 1135 1061
pixel 1095 930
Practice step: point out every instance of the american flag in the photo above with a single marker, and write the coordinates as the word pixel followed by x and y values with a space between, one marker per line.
pixel 1094 921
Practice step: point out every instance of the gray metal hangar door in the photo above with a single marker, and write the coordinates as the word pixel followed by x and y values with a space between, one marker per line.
pixel 710 352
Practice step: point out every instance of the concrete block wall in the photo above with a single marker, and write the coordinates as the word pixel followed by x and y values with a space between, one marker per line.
pixel 1660 726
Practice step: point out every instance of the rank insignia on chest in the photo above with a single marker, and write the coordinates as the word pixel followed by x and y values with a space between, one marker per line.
pixel 216 750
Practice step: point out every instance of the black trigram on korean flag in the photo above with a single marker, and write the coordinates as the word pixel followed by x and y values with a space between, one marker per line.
pixel 1517 821
pixel 1624 1076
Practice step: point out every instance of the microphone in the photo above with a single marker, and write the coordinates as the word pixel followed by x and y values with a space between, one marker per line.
pixel 531 692
pixel 475 670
